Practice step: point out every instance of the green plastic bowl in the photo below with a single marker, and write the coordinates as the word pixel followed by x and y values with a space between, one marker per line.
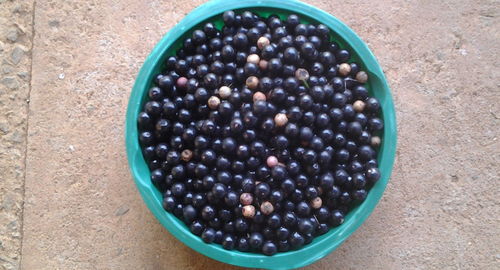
pixel 377 85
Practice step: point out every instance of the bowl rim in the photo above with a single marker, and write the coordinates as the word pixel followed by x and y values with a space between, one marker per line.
pixel 322 245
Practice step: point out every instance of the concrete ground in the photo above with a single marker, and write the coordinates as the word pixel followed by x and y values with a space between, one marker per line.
pixel 67 200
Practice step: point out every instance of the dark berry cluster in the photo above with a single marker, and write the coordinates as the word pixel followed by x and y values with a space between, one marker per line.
pixel 261 134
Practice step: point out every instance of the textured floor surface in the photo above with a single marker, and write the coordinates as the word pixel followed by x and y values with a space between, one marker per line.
pixel 16 27
pixel 64 150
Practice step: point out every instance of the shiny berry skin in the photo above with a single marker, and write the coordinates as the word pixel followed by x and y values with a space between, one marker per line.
pixel 296 240
pixel 274 221
pixel 241 225
pixel 305 226
pixel 291 55
pixel 274 66
pixel 278 173
pixel 228 242
pixel 366 153
pixel 256 240
pixel 359 194
pixel 243 244
pixel 373 175
pixel 260 108
pixel 242 152
pixel 208 235
pixel 375 124
pixel 197 227
pixel 303 209
pixel 336 218
pixel 262 190
pixel 269 248
pixel 342 56
pixel 359 180
pixel 189 213
pixel 344 198
pixel 288 185
pixel 219 190
pixel 372 105
pixel 228 146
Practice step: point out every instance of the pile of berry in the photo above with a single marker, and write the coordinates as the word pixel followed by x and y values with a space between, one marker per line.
pixel 261 135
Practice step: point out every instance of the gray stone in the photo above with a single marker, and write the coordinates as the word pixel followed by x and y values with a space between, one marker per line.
pixel 17 55
pixel 6 69
pixel 54 23
pixel 8 203
pixel 4 128
pixel 10 82
pixel 23 75
pixel 122 210
pixel 17 9
pixel 12 225
pixel 12 35
pixel 16 137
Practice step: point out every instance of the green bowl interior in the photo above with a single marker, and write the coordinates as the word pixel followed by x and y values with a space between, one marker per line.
pixel 377 86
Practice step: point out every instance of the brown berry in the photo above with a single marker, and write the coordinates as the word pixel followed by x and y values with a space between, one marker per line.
pixel 252 82
pixel 362 77
pixel 259 96
pixel 376 141
pixel 246 198
pixel 301 74
pixel 253 58
pixel 224 92
pixel 272 161
pixel 181 82
pixel 213 102
pixel 266 208
pixel 263 64
pixel 280 119
pixel 358 105
pixel 262 42
pixel 344 69
pixel 316 203
pixel 248 211
pixel 186 155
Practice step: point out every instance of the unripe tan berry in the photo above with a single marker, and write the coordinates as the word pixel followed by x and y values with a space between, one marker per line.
pixel 259 96
pixel 266 208
pixel 272 161
pixel 252 82
pixel 362 77
pixel 344 69
pixel 186 155
pixel 301 74
pixel 358 106
pixel 262 42
pixel 181 82
pixel 213 102
pixel 253 58
pixel 376 141
pixel 246 198
pixel 224 92
pixel 280 119
pixel 316 203
pixel 263 64
pixel 248 211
